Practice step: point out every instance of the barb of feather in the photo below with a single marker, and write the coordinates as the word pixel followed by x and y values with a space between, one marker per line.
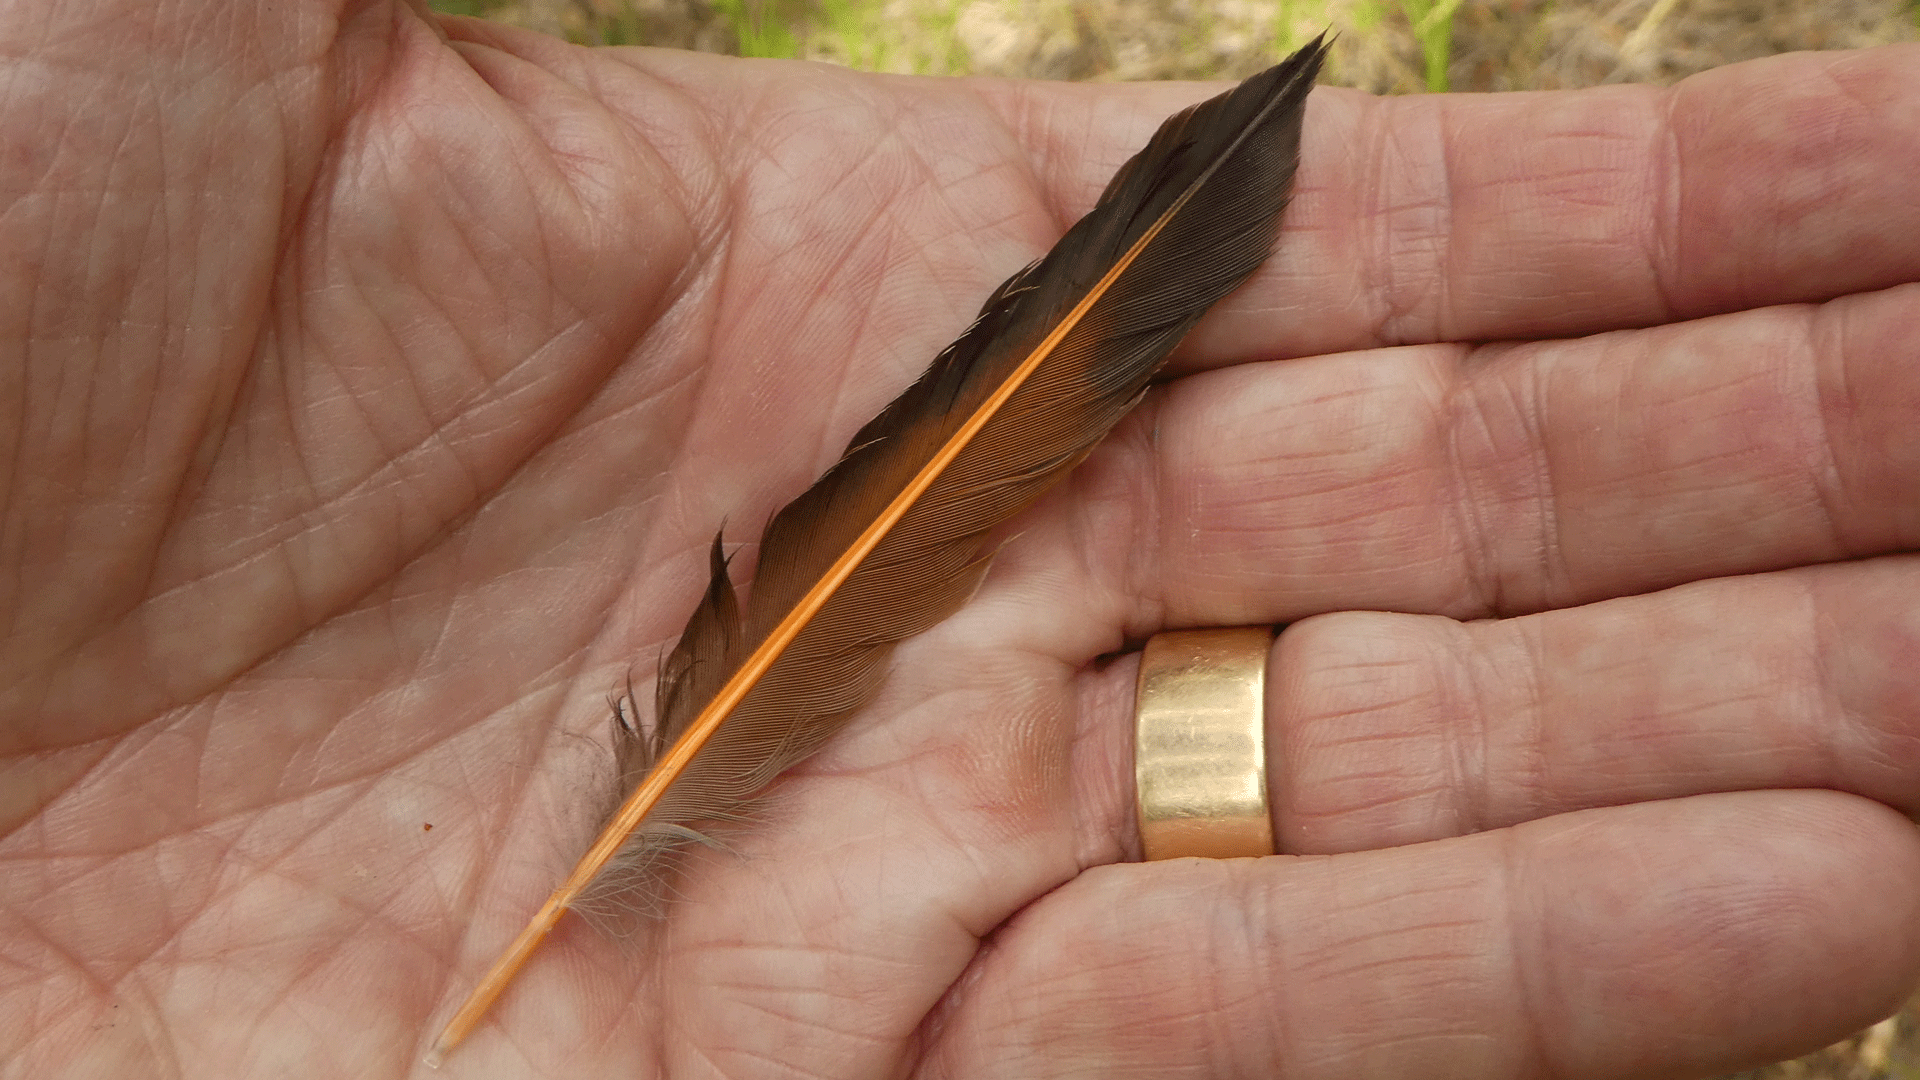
pixel 893 538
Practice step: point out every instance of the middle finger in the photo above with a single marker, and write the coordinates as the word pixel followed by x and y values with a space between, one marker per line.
pixel 1514 478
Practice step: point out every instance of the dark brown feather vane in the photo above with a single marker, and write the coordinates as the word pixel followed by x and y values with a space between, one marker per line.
pixel 1225 168
pixel 893 538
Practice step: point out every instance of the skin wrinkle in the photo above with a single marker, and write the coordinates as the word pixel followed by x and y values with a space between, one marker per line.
pixel 12 535
pixel 106 756
pixel 583 168
pixel 1532 710
pixel 848 393
pixel 450 327
pixel 543 267
pixel 1854 728
pixel 692 383
pixel 278 550
pixel 1466 756
pixel 1740 287
pixel 435 654
pixel 707 212
pixel 975 173
pixel 1604 243
pixel 1063 207
pixel 1473 534
pixel 1443 256
pixel 172 925
pixel 1378 965
pixel 347 782
pixel 779 1066
pixel 1100 805
pixel 1530 1000
pixel 396 462
pixel 1460 406
pixel 512 806
pixel 573 187
pixel 295 528
pixel 768 154
pixel 1124 461
pixel 1709 392
pixel 1827 184
pixel 1839 725
pixel 1675 710
pixel 1830 390
pixel 1388 799
pixel 302 441
pixel 1554 574
pixel 1218 998
pixel 132 993
pixel 1410 287
pixel 825 448
pixel 1274 1004
pixel 1150 523
pixel 48 783
pixel 271 864
pixel 1660 244
pixel 1030 119
pixel 313 965
pixel 760 1000
pixel 1799 357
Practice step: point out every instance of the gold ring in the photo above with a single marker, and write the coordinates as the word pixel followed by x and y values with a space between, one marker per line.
pixel 1199 744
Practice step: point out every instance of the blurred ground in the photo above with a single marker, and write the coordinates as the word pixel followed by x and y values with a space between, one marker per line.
pixel 1492 45
pixel 1495 44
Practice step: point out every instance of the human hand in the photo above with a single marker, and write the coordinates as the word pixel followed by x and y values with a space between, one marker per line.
pixel 372 400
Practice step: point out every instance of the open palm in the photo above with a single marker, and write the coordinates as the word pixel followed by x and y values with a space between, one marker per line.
pixel 372 390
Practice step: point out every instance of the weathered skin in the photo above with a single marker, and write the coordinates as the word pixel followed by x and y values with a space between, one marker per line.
pixel 368 399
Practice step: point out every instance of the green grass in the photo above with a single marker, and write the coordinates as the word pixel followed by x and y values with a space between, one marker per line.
pixel 1433 28
pixel 622 27
pixel 759 29
pixel 853 33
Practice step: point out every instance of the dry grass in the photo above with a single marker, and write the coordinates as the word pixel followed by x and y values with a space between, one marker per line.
pixel 1889 1050
pixel 1492 45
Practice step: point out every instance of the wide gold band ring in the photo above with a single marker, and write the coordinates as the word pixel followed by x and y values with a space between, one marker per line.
pixel 1199 744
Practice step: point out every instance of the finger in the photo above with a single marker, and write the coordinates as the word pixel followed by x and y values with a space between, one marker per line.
pixel 1679 938
pixel 1391 729
pixel 1476 217
pixel 1515 479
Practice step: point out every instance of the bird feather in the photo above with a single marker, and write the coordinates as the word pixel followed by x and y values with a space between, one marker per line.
pixel 895 537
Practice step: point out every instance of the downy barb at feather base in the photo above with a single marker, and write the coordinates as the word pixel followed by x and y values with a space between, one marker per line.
pixel 893 538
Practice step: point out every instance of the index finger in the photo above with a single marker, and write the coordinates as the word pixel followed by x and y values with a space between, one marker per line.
pixel 1527 215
